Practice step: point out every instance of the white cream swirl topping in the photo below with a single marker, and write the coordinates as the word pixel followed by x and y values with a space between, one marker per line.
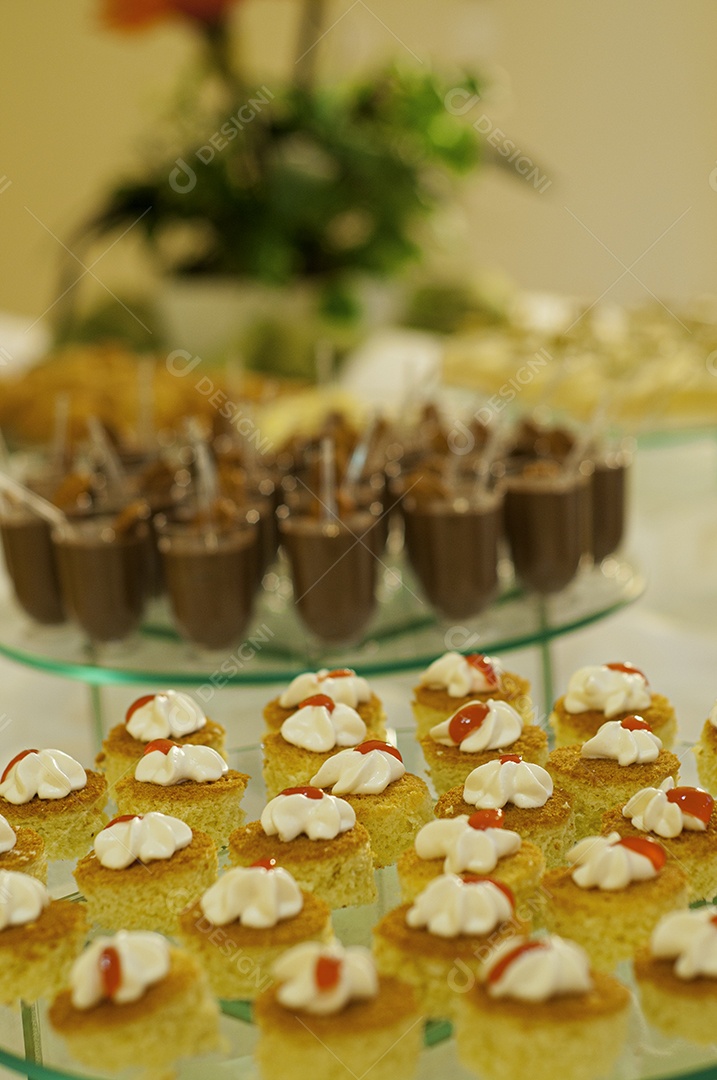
pixel 119 969
pixel 368 770
pixel 450 906
pixel 342 685
pixel 508 780
pixel 478 726
pixel 22 899
pixel 170 764
pixel 463 847
pixel 317 815
pixel 49 774
pixel 610 863
pixel 665 810
pixel 690 939
pixel 256 896
pixel 8 836
pixel 460 676
pixel 608 690
pixel 144 838
pixel 539 969
pixel 626 745
pixel 169 715
pixel 323 979
pixel 321 724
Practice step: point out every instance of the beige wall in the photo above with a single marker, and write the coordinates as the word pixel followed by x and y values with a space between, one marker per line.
pixel 616 101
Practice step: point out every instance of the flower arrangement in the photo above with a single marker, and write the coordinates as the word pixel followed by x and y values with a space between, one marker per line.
pixel 298 182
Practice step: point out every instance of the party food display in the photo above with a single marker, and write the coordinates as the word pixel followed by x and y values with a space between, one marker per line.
pixel 317 838
pixel 490 860
pixel 681 819
pixel 348 1013
pixel 525 793
pixel 606 770
pixel 39 938
pixel 137 863
pixel 261 912
pixel 480 845
pixel 391 803
pixel 455 915
pixel 50 792
pixel 540 1011
pixel 612 894
pixel 455 680
pixel 597 693
pixel 478 732
pixel 676 974
pixel 191 782
pixel 136 990
pixel 167 715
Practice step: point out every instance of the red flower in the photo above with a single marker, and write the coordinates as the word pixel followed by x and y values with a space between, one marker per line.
pixel 138 14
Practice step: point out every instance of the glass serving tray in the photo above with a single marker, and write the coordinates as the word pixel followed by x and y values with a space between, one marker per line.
pixel 403 635
pixel 29 1046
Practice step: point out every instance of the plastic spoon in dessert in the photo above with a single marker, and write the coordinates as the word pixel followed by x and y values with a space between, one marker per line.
pixel 327 494
pixel 116 476
pixel 145 403
pixel 59 454
pixel 358 458
pixel 491 452
pixel 42 507
pixel 207 480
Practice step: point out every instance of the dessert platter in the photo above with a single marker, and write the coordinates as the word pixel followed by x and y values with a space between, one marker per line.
pixel 446 899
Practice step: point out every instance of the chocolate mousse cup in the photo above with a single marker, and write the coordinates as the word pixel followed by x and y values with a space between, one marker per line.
pixel 333 569
pixel 32 565
pixel 103 569
pixel 211 576
pixel 452 543
pixel 609 502
pixel 547 512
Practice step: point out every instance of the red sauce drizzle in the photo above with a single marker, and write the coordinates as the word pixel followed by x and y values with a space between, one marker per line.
pixel 328 971
pixel 110 971
pixel 466 720
pixel 628 668
pixel 635 723
pixel 649 848
pixel 309 792
pixel 338 673
pixel 483 664
pixel 319 700
pixel 138 705
pixel 505 961
pixel 487 819
pixel 376 744
pixel 163 745
pixel 471 879
pixel 121 818
pixel 18 757
pixel 510 757
pixel 713 920
pixel 693 801
pixel 268 864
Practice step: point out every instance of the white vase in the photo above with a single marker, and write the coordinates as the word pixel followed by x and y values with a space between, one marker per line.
pixel 205 315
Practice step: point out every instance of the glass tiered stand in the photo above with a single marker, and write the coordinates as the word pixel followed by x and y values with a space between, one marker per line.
pixel 403 636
